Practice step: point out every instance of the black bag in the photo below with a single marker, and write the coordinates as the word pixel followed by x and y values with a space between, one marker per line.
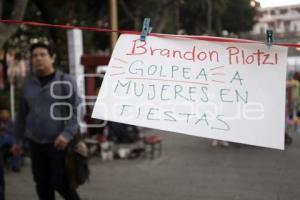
pixel 77 162
pixel 77 156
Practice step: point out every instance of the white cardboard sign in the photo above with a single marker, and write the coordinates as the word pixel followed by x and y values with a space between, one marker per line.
pixel 220 90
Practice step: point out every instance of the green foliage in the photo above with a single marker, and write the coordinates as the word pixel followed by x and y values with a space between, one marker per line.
pixel 232 15
pixel 239 16
pixel 167 16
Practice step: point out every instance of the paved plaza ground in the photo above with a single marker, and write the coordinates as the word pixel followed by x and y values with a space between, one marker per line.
pixel 189 169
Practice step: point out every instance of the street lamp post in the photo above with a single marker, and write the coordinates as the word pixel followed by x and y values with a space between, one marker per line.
pixel 113 22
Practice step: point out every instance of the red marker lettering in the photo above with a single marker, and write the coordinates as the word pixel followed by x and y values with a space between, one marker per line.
pixel 138 50
pixel 233 51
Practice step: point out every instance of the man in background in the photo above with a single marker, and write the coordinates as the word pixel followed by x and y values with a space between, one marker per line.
pixel 40 117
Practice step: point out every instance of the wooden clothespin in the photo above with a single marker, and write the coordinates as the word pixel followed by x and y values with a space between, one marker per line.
pixel 269 38
pixel 146 29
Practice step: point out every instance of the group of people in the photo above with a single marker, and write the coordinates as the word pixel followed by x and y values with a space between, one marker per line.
pixel 39 123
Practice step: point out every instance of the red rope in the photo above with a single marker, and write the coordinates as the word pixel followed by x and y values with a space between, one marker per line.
pixel 62 26
pixel 206 38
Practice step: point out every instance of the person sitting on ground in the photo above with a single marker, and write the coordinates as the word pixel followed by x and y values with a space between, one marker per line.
pixel 122 133
pixel 7 139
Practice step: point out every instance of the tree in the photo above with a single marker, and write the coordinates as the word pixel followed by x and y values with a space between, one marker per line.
pixel 167 16
pixel 202 17
pixel 160 12
pixel 213 16
pixel 239 16
pixel 15 11
pixel 73 12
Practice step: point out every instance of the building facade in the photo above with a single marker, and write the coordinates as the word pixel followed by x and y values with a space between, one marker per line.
pixel 284 21
pixel 281 19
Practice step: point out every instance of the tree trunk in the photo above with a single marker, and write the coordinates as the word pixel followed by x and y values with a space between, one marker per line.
pixel 1 7
pixel 7 30
pixel 209 16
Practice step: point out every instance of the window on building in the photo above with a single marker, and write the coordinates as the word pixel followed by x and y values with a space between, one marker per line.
pixel 295 28
pixel 273 12
pixel 262 30
pixel 297 9
pixel 278 22
pixel 283 11
pixel 271 25
pixel 260 14
pixel 287 26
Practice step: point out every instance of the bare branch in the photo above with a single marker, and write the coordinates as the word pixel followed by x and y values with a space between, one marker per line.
pixel 19 9
pixel 17 14
pixel 127 10
pixel 168 3
pixel 158 20
pixel 162 23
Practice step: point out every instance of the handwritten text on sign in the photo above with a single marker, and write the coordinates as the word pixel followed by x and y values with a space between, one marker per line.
pixel 226 91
